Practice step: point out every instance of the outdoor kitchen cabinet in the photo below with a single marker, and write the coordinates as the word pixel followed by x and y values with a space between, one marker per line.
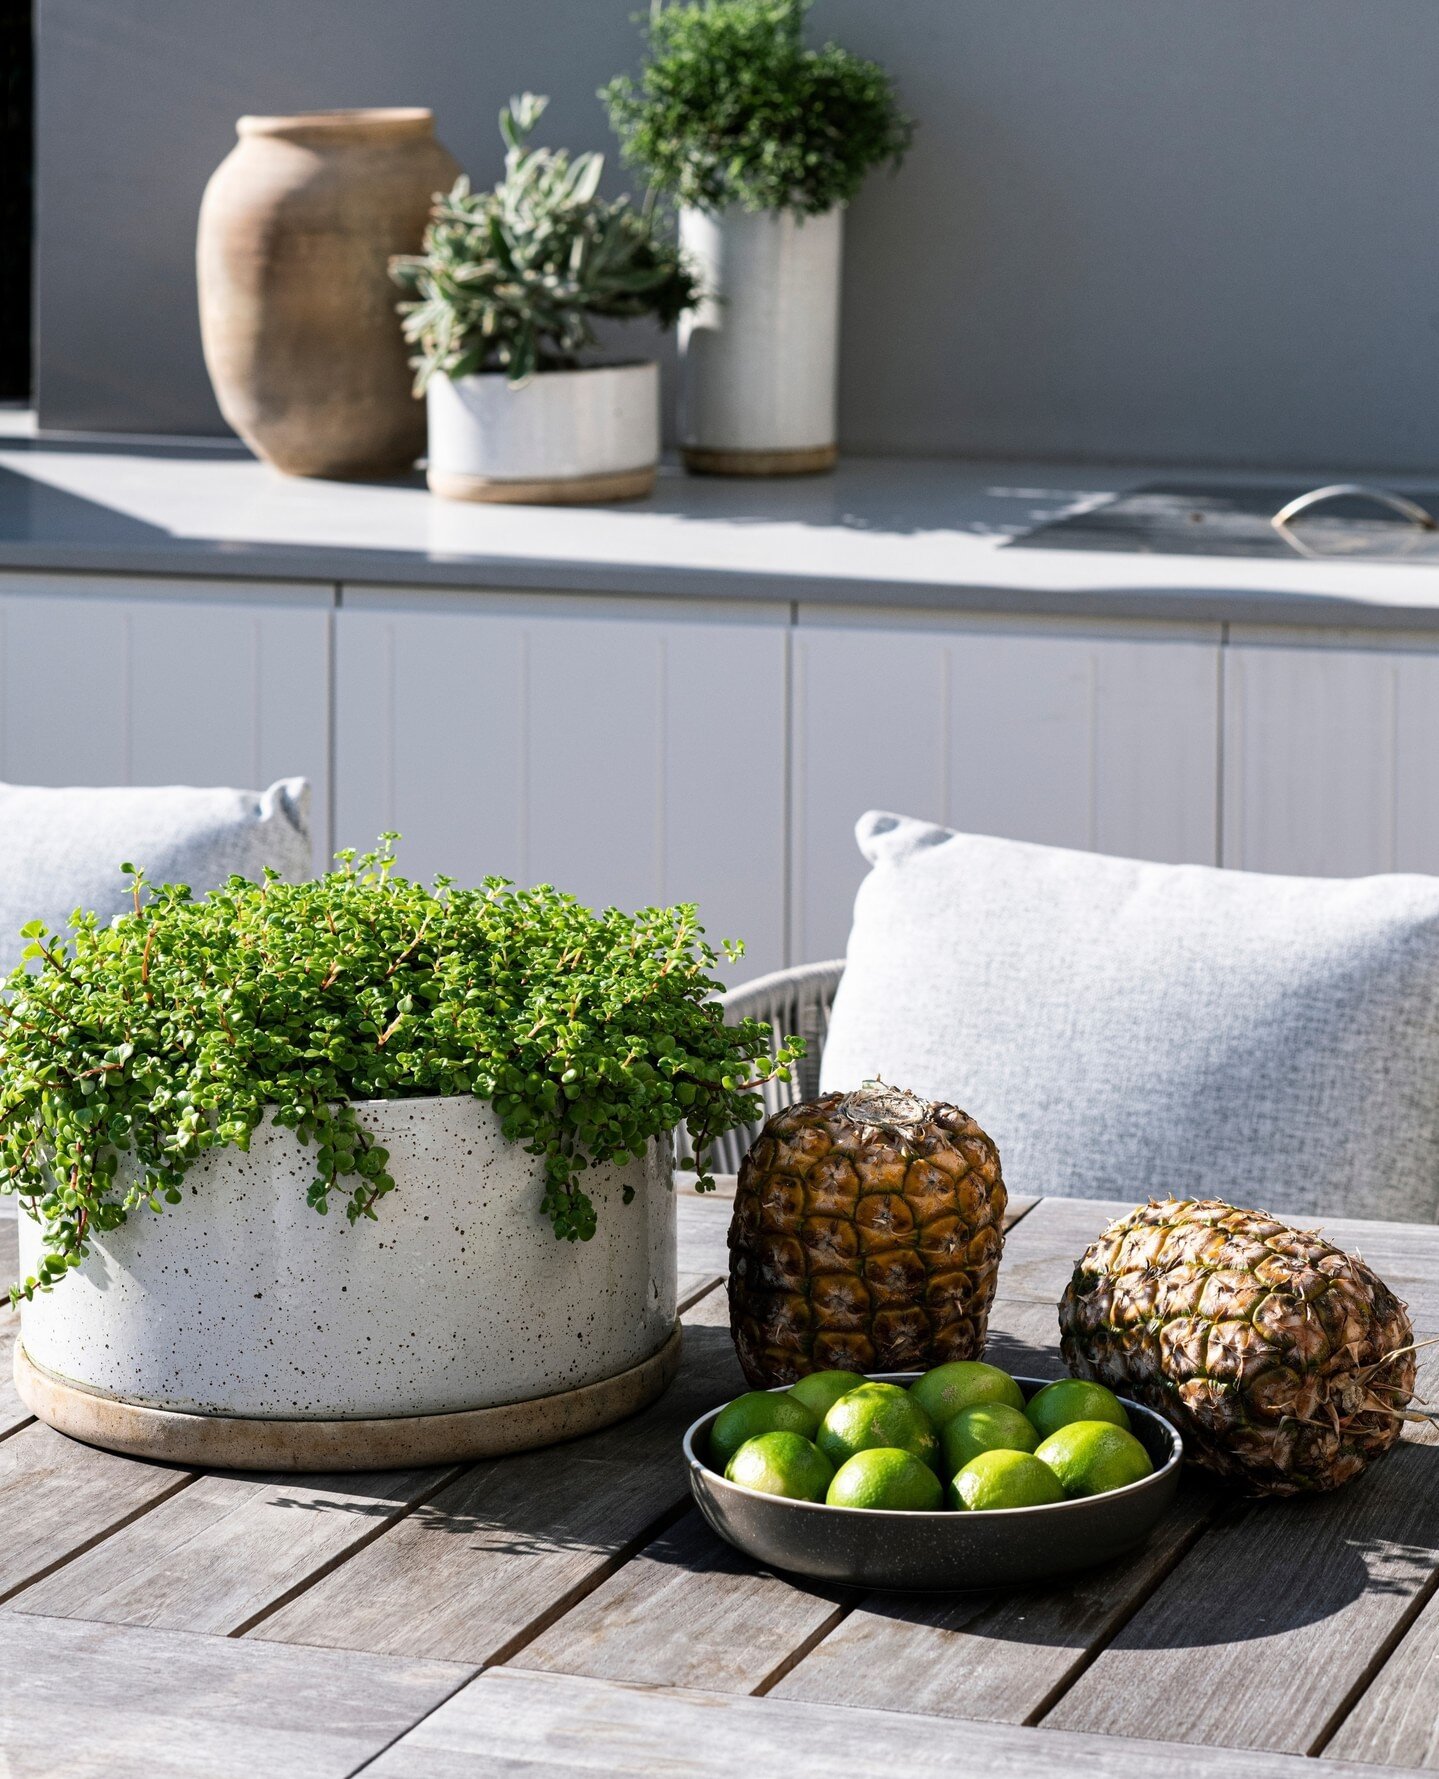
pixel 1100 737
pixel 623 750
pixel 1331 753
pixel 637 750
pixel 114 680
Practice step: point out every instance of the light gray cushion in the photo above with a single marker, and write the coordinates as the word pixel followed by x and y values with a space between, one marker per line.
pixel 63 848
pixel 1124 1029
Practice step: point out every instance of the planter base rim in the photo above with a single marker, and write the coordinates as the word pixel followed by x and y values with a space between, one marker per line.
pixel 236 1442
pixel 809 460
pixel 625 484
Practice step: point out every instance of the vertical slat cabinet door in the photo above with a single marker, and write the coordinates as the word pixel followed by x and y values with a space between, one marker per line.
pixel 626 755
pixel 871 731
pixel 1107 743
pixel 109 681
pixel 429 712
pixel 1331 759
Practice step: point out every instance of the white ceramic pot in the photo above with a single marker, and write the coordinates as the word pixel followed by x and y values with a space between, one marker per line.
pixel 561 438
pixel 760 355
pixel 243 1301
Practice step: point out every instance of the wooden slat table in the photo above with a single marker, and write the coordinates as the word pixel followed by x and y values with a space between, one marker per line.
pixel 568 1611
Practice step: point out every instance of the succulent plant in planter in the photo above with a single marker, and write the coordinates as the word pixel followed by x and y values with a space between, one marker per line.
pixel 465 1069
pixel 503 302
pixel 762 141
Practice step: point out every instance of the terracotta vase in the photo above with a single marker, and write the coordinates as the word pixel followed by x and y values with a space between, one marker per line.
pixel 297 310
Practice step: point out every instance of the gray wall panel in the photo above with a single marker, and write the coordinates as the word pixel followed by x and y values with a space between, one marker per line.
pixel 1129 228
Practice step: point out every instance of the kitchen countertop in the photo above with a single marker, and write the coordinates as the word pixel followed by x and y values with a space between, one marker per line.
pixel 881 533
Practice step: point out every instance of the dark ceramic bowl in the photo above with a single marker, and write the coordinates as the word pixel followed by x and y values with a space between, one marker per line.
pixel 939 1552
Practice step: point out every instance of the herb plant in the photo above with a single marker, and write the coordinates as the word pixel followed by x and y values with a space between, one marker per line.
pixel 731 107
pixel 133 1048
pixel 512 279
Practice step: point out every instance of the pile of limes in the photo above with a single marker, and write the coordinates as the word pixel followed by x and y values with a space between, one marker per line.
pixel 961 1435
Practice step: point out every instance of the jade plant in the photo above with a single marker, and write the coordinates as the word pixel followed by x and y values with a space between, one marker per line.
pixel 130 1049
pixel 732 107
pixel 513 279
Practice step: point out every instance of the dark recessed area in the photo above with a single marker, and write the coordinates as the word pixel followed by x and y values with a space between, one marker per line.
pixel 17 156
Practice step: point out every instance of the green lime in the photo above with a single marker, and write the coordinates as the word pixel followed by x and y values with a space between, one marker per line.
pixel 885 1477
pixel 1093 1457
pixel 822 1389
pixel 781 1464
pixel 987 1427
pixel 1004 1479
pixel 877 1415
pixel 756 1412
pixel 1073 1399
pixel 943 1392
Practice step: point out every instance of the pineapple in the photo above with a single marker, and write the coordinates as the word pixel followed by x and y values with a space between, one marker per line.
pixel 1285 1363
pixel 866 1237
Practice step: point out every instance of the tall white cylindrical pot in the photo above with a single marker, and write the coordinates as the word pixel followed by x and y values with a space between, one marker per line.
pixel 242 1327
pixel 760 355
pixel 562 438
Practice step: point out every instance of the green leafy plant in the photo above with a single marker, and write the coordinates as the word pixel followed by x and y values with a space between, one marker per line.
pixel 732 108
pixel 512 279
pixel 133 1048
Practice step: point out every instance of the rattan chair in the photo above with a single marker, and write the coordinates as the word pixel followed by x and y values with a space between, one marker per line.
pixel 796 1003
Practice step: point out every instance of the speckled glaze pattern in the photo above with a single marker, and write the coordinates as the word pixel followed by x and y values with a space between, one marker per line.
pixel 243 1301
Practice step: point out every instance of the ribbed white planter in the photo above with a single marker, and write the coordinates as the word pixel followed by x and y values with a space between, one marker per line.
pixel 563 437
pixel 241 1327
pixel 760 355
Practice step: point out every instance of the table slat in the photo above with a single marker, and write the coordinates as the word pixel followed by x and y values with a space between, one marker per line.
pixel 57 1497
pixel 1041 1249
pixel 1396 1721
pixel 691 1286
pixel 1269 1622
pixel 9 1245
pixel 999 1657
pixel 514 1722
pixel 686 1611
pixel 227 1549
pixel 492 1556
pixel 82 1699
pixel 702 1221
pixel 13 1412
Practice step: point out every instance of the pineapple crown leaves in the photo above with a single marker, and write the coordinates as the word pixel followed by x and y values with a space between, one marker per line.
pixel 171 1031
pixel 513 279
pixel 731 107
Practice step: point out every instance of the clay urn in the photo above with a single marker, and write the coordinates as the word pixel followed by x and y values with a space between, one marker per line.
pixel 297 311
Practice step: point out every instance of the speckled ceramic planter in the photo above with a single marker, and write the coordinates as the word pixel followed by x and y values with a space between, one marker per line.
pixel 243 1328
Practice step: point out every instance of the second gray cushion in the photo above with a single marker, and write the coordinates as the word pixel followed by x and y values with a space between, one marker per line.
pixel 1125 1029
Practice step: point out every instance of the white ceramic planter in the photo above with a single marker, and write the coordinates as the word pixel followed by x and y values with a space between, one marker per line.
pixel 243 1303
pixel 760 355
pixel 563 437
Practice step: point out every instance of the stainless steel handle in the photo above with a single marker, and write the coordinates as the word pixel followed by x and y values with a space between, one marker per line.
pixel 1409 509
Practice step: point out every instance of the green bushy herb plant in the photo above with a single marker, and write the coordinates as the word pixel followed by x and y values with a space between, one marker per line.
pixel 172 1030
pixel 731 107
pixel 512 279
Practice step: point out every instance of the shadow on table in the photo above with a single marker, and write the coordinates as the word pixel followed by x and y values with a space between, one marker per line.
pixel 569 1496
pixel 1262 1568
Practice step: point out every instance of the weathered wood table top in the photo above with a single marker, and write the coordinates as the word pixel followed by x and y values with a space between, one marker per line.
pixel 567 1611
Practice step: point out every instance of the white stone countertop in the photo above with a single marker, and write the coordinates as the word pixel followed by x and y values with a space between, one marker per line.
pixel 886 533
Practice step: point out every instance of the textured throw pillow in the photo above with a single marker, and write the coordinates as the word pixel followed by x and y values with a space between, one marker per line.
pixel 64 848
pixel 1125 1029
